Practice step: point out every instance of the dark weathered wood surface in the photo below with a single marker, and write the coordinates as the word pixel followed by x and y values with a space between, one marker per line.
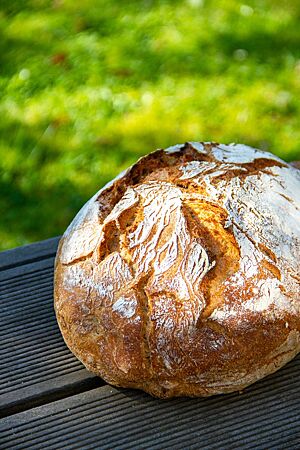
pixel 78 410
pixel 35 364
pixel 265 416
pixel 28 253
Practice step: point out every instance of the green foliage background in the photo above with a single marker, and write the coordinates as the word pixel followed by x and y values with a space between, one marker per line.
pixel 88 87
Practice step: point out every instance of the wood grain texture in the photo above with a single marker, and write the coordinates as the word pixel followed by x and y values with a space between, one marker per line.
pixel 266 415
pixel 28 253
pixel 36 366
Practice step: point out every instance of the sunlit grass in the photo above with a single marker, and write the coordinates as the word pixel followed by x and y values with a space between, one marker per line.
pixel 88 87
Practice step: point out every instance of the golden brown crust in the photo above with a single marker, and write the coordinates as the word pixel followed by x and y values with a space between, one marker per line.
pixel 182 276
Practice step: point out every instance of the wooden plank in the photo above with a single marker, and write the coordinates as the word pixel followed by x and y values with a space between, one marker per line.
pixel 266 415
pixel 47 390
pixel 28 253
pixel 35 362
pixel 20 272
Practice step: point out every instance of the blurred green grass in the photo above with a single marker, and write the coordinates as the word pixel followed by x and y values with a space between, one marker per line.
pixel 88 87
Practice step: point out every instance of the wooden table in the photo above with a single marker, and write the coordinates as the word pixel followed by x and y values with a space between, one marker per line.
pixel 48 400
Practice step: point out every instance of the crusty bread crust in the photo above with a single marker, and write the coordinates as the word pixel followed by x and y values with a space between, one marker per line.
pixel 181 277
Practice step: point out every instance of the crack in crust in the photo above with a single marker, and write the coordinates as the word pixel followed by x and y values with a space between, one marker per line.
pixel 145 305
pixel 220 246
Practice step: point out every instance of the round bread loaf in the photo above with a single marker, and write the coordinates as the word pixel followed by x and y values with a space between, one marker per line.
pixel 181 276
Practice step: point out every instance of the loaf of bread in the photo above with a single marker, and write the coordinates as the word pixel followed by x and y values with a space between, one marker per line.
pixel 181 276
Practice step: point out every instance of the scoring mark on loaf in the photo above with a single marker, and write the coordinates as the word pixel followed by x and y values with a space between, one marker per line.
pixel 161 243
pixel 246 200
pixel 162 239
pixel 84 233
pixel 258 205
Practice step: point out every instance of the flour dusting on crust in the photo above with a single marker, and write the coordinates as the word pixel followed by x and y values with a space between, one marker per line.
pixel 263 211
